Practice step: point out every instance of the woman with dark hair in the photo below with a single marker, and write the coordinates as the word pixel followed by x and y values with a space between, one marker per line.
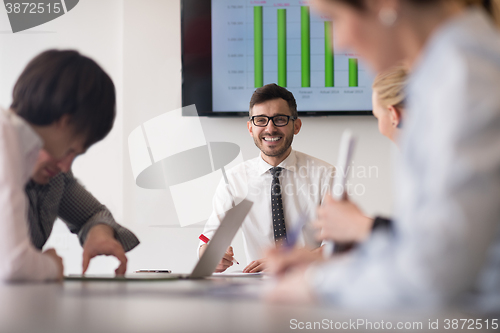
pixel 445 238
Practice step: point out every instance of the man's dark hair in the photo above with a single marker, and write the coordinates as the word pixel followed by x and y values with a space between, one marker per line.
pixel 270 92
pixel 56 83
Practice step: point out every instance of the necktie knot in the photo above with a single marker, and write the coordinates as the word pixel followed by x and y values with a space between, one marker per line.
pixel 276 171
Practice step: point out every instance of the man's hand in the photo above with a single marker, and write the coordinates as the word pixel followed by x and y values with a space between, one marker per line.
pixel 342 221
pixel 256 266
pixel 279 261
pixel 53 254
pixel 226 261
pixel 101 241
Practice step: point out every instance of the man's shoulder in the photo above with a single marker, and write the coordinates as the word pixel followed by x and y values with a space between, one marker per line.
pixel 311 161
pixel 61 180
pixel 244 167
pixel 60 177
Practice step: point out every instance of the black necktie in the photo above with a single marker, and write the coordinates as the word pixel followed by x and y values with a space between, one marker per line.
pixel 277 207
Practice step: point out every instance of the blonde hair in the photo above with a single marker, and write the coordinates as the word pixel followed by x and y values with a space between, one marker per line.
pixel 390 87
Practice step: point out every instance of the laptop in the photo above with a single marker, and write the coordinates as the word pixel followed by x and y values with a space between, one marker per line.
pixel 208 261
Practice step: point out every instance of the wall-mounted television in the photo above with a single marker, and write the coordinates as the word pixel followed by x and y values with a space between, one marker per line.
pixel 232 47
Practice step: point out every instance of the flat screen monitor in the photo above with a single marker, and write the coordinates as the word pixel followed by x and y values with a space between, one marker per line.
pixel 232 47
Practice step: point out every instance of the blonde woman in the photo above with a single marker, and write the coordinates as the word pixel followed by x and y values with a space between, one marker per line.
pixel 351 225
pixel 388 101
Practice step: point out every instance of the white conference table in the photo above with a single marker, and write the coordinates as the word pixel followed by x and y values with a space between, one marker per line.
pixel 212 305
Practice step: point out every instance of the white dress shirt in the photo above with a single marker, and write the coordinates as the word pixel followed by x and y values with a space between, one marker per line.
pixel 447 218
pixel 304 182
pixel 19 148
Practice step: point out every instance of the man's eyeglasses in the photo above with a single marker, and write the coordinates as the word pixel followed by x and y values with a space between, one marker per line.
pixel 278 121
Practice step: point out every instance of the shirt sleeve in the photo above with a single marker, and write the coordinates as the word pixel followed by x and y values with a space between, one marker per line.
pixel 19 260
pixel 222 202
pixel 80 210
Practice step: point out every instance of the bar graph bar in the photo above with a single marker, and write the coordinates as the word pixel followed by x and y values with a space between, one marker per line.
pixel 305 21
pixel 329 60
pixel 353 72
pixel 282 66
pixel 258 46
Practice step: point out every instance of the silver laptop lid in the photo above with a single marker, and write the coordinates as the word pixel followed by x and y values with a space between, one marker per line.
pixel 221 240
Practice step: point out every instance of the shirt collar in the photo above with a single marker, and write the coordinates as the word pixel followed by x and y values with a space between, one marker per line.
pixel 288 163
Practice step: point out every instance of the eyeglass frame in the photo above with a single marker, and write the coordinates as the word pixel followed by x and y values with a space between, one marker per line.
pixel 272 119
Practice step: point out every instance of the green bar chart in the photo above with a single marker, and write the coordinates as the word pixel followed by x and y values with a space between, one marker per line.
pixel 258 42
pixel 352 70
pixel 282 51
pixel 305 41
pixel 258 46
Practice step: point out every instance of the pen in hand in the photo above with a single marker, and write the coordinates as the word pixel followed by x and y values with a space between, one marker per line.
pixel 206 240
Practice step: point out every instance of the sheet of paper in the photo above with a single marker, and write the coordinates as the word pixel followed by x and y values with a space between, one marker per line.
pixel 237 274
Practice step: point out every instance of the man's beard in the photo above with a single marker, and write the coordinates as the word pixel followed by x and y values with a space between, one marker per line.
pixel 287 143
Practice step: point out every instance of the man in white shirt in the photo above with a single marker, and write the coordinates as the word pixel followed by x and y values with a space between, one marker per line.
pixel 282 183
pixel 63 102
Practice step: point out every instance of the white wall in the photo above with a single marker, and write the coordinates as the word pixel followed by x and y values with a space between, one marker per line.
pixel 138 43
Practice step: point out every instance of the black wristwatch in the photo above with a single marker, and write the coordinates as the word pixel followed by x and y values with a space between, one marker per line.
pixel 381 223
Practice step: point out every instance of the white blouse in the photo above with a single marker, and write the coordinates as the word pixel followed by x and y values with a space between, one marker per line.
pixel 19 148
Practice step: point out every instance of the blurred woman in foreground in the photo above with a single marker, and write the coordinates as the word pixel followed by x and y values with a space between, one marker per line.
pixel 445 241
